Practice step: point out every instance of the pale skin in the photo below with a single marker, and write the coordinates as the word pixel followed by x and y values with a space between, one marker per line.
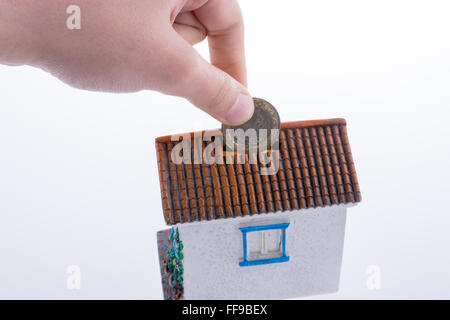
pixel 134 45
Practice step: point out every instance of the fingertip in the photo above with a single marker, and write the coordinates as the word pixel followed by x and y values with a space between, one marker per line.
pixel 241 111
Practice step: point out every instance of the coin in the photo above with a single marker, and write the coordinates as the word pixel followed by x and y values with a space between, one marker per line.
pixel 264 117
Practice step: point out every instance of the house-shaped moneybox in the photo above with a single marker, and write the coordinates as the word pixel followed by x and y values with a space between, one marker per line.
pixel 239 234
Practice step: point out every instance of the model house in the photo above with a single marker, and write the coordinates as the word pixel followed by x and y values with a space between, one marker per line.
pixel 238 234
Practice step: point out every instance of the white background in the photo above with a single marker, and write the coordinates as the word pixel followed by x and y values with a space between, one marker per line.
pixel 78 175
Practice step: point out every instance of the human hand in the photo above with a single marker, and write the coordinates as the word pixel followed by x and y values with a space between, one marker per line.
pixel 133 45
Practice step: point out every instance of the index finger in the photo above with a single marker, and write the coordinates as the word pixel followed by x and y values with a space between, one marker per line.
pixel 224 24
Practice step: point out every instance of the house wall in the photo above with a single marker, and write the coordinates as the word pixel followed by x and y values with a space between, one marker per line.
pixel 213 249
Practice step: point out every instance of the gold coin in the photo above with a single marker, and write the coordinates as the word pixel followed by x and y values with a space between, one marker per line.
pixel 264 117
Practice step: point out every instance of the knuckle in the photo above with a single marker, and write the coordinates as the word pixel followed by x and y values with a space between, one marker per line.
pixel 222 98
pixel 180 73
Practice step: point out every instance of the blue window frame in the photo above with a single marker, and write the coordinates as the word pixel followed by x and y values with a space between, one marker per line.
pixel 281 253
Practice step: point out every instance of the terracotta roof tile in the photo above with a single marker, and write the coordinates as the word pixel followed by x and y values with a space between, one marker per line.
pixel 316 169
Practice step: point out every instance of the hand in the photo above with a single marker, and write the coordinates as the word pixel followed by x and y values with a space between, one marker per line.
pixel 133 45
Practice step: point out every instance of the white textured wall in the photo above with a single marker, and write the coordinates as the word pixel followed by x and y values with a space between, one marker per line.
pixel 314 242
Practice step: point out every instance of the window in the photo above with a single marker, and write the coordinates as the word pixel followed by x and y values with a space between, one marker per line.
pixel 264 244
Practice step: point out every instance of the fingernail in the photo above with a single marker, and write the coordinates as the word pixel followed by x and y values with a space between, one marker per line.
pixel 241 111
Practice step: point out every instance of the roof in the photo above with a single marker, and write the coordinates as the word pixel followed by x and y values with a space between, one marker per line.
pixel 316 169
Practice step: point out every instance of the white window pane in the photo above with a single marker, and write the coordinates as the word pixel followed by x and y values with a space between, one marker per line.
pixel 264 244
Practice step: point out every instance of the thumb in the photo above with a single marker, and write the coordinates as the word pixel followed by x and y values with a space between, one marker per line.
pixel 218 94
pixel 209 88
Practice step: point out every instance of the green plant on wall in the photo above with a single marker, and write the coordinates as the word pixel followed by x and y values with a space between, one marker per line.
pixel 173 262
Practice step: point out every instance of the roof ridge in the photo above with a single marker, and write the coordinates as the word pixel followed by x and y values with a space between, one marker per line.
pixel 284 125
